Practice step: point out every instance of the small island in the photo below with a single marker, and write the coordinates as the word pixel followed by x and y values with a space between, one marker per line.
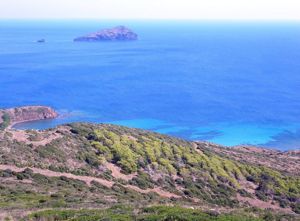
pixel 119 33
pixel 12 116
pixel 41 41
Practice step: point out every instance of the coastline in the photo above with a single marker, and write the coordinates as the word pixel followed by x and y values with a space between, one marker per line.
pixel 11 126
pixel 65 151
pixel 40 113
pixel 32 148
pixel 24 114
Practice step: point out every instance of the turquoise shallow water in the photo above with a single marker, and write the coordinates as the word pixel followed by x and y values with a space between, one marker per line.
pixel 229 83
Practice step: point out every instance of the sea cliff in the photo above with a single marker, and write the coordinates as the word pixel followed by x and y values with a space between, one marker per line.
pixel 9 117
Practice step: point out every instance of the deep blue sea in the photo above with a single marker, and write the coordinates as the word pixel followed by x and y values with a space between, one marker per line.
pixel 229 83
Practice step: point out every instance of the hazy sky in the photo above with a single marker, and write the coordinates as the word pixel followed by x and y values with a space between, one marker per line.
pixel 151 9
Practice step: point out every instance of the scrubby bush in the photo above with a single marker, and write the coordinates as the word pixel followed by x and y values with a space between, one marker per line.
pixel 5 121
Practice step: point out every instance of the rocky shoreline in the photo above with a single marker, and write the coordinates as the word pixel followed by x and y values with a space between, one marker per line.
pixel 10 117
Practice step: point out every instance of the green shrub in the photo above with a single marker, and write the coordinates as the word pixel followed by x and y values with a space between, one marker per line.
pixel 5 121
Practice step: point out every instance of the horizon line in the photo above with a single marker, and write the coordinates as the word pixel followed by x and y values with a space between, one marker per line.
pixel 150 19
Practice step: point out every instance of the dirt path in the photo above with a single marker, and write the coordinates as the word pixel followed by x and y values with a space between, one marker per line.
pixel 262 204
pixel 49 173
pixel 157 190
pixel 22 136
pixel 116 172
pixel 89 179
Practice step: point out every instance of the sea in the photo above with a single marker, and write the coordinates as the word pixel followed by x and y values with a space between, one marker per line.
pixel 230 83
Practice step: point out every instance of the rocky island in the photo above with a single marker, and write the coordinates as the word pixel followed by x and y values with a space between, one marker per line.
pixel 119 33
pixel 41 40
pixel 120 173
pixel 9 117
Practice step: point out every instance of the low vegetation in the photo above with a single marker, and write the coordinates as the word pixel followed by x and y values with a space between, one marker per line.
pixel 196 171
pixel 197 175
pixel 154 213
pixel 5 121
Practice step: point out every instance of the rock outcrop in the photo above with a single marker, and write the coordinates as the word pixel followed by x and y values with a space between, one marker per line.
pixel 41 41
pixel 28 113
pixel 119 33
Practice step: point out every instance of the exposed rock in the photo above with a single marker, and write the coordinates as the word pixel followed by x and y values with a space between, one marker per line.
pixel 41 41
pixel 27 113
pixel 119 33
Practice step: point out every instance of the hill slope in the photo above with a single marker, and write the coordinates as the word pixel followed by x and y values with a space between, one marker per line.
pixel 99 166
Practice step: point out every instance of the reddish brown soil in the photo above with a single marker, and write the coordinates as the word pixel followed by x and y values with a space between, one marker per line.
pixel 89 179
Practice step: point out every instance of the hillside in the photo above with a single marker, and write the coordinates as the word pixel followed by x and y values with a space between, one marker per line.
pixel 118 173
pixel 9 117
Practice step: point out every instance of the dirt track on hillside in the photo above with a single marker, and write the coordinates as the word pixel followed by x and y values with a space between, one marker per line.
pixel 88 180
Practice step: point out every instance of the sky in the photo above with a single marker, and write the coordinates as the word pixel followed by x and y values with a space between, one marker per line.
pixel 151 9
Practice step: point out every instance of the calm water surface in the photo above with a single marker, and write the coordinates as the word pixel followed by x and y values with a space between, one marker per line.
pixel 229 83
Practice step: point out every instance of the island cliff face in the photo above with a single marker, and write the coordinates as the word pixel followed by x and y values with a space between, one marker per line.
pixel 9 117
pixel 119 33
